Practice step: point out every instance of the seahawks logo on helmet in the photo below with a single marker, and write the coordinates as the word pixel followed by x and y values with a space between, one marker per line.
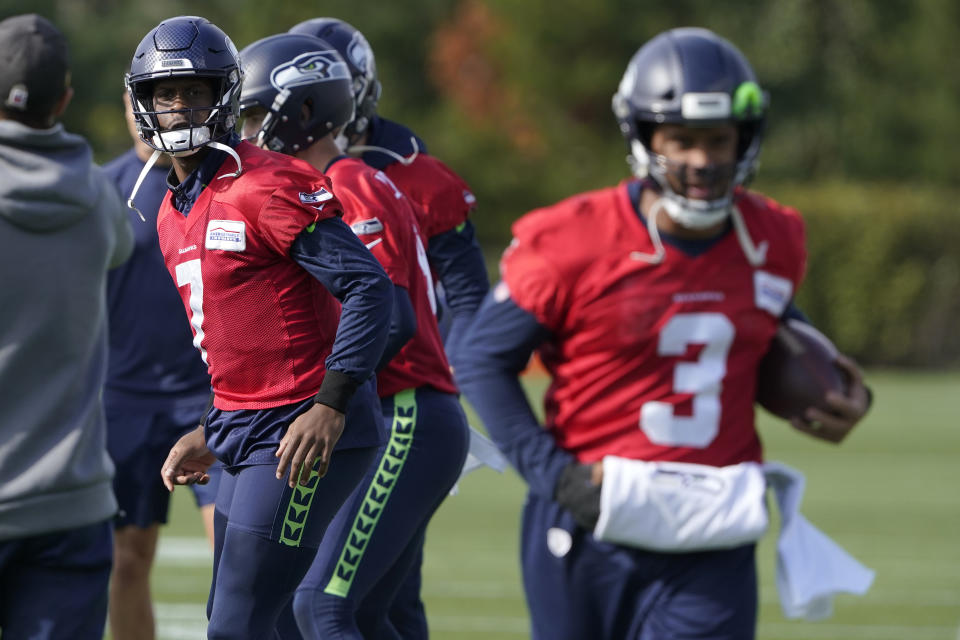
pixel 309 68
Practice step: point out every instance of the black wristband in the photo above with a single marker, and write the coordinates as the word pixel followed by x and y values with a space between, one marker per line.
pixel 336 390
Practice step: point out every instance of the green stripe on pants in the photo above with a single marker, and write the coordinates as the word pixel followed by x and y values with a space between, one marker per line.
pixel 298 509
pixel 385 479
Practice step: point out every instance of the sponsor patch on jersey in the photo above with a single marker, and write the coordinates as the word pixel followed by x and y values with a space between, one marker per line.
pixel 320 195
pixel 367 227
pixel 227 235
pixel 771 293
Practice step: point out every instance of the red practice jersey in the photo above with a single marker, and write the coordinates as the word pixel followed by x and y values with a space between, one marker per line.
pixel 652 361
pixel 263 324
pixel 443 199
pixel 384 219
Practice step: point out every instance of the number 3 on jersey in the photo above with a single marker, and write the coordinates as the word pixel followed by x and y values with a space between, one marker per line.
pixel 189 274
pixel 703 379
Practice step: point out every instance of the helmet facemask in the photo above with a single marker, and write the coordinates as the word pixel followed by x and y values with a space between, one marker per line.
pixel 672 178
pixel 185 47
pixel 692 78
pixel 198 131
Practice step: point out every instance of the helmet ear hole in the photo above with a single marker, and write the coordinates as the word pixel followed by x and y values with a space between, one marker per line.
pixel 357 53
pixel 306 112
pixel 645 132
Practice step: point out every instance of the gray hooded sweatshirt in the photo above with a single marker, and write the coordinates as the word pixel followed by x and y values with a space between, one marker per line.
pixel 62 227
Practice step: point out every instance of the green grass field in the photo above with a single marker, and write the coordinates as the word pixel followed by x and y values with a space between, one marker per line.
pixel 890 496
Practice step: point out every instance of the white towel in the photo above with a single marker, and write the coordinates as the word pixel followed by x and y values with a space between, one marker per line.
pixel 811 568
pixel 678 506
pixel 482 452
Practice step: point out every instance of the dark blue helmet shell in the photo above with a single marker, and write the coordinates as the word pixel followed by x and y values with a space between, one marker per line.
pixel 693 77
pixel 690 77
pixel 304 85
pixel 356 51
pixel 185 46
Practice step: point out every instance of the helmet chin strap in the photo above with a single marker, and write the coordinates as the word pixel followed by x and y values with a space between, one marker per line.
pixel 143 174
pixel 659 253
pixel 182 142
pixel 230 150
pixel 695 214
pixel 756 254
pixel 164 139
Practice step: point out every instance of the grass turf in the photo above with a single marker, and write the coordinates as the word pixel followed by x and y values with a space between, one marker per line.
pixel 890 496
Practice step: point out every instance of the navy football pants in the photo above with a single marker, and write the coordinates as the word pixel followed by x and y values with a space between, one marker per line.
pixel 373 542
pixel 266 536
pixel 54 586
pixel 577 587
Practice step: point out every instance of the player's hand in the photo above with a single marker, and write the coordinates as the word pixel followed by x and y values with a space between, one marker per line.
pixel 578 491
pixel 845 410
pixel 312 435
pixel 188 461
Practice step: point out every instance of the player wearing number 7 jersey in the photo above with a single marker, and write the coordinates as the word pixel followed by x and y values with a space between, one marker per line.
pixel 650 305
pixel 256 246
pixel 297 95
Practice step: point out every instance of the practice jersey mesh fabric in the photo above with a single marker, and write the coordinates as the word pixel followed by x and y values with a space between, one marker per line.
pixel 443 200
pixel 263 324
pixel 652 361
pixel 384 219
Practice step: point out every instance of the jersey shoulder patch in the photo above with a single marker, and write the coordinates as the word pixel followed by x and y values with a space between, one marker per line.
pixel 367 227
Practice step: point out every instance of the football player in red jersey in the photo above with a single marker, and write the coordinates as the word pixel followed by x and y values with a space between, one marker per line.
pixel 651 305
pixel 255 244
pixel 444 204
pixel 444 201
pixel 297 97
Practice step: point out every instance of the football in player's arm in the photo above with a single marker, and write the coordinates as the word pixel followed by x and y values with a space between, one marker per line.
pixel 289 310
pixel 297 97
pixel 650 304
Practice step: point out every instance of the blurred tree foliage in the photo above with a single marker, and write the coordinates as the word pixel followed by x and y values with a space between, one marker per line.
pixel 515 96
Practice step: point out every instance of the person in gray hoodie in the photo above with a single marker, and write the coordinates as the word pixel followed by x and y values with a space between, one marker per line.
pixel 62 227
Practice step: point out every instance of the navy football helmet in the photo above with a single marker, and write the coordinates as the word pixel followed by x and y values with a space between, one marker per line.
pixel 303 85
pixel 185 46
pixel 356 51
pixel 691 77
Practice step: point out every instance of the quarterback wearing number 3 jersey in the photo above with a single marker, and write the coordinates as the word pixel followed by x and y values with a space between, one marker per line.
pixel 651 305
pixel 674 345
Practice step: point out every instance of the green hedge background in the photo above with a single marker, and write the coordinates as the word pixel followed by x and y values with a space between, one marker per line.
pixel 863 133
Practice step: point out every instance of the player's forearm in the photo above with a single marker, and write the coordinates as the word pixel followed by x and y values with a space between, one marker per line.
pixel 499 400
pixel 487 364
pixel 338 259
